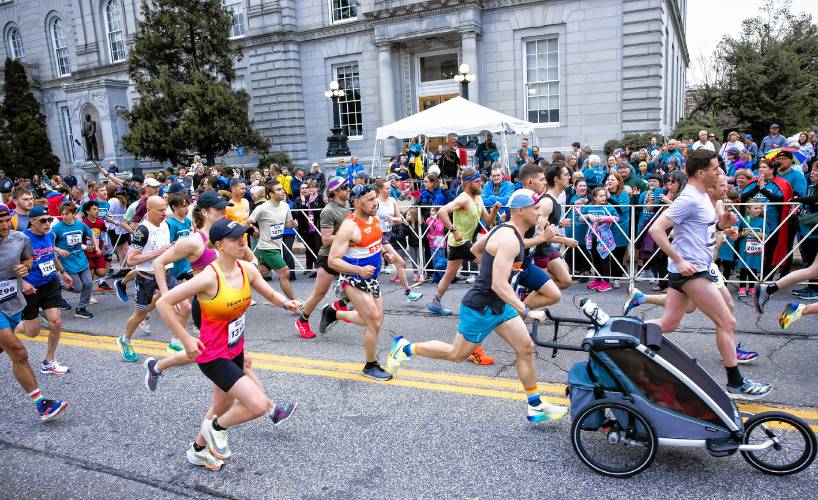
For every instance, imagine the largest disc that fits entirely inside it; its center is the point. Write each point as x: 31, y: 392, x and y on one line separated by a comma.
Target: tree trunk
x: 211, y: 158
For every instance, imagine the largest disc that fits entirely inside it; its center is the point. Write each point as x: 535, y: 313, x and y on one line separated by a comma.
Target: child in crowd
x: 726, y: 246
x: 750, y: 243
x: 650, y: 201
x: 578, y: 258
x: 436, y: 235
x: 599, y: 239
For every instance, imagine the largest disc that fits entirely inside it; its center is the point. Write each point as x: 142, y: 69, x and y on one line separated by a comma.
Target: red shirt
x: 99, y: 228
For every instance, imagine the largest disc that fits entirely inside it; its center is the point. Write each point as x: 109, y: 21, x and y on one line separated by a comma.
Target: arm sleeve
x: 139, y: 238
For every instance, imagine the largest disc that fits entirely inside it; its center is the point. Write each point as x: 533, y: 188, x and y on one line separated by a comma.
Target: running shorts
x: 676, y: 281
x: 460, y: 252
x: 48, y: 296
x: 548, y: 254
x: 475, y: 326
x: 224, y: 372
x: 271, y: 259
x: 322, y: 261
x: 10, y: 321
x: 145, y: 286
x: 532, y: 277
x: 96, y: 261
x: 371, y: 286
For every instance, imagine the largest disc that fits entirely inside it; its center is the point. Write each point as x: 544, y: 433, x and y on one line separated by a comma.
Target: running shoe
x: 377, y: 373
x: 603, y: 286
x: 65, y: 306
x: 546, y: 411
x: 93, y: 301
x: 760, y: 298
x: 479, y: 357
x: 397, y: 355
x: 341, y: 307
x: 743, y: 357
x: 594, y: 284
x: 436, y: 307
x: 145, y: 326
x: 151, y: 375
x: 282, y: 412
x: 82, y: 312
x: 634, y: 299
x: 53, y: 368
x: 806, y: 294
x: 203, y: 458
x: 49, y: 409
x: 471, y: 279
x: 413, y: 297
x: 128, y: 354
x: 749, y: 390
x: 742, y: 291
x: 304, y: 329
x: 327, y: 318
x: 121, y: 290
x: 175, y: 346
x: 104, y: 287
x: 216, y: 440
x: 791, y: 314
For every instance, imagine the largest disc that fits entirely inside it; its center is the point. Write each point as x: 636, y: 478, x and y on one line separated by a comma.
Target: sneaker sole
x: 748, y: 397
x: 545, y: 418
x: 746, y: 361
x: 376, y: 378
x: 52, y: 372
x: 204, y: 463
x: 148, y: 374
x: 46, y: 418
x: 281, y: 422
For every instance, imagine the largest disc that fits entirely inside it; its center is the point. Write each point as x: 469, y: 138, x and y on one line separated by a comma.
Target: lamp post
x: 464, y: 78
x: 337, y: 141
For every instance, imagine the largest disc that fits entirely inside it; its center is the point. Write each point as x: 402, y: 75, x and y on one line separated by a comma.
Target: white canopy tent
x: 455, y: 116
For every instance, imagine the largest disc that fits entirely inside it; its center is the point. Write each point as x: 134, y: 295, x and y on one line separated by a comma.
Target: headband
x: 472, y: 177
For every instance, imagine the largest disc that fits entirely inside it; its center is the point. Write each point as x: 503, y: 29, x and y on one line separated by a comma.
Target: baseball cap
x: 336, y: 182
x: 150, y: 181
x: 211, y: 199
x: 315, y: 164
x: 522, y: 198
x: 4, y: 210
x: 362, y: 175
x: 176, y: 188
x: 785, y: 154
x: 38, y: 211
x: 226, y: 228
x: 732, y: 151
x: 774, y: 125
x: 359, y: 191
x: 392, y: 177
x: 748, y: 136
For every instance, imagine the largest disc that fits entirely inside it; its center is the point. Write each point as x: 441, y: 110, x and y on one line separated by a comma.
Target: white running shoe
x: 216, y: 440
x: 145, y: 326
x: 93, y: 301
x: 203, y: 458
x: 546, y: 411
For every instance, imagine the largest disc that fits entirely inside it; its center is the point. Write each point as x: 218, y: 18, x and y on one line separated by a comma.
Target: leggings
x: 602, y: 265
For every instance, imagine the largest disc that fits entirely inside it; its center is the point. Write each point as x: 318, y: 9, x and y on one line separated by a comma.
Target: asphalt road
x: 438, y: 430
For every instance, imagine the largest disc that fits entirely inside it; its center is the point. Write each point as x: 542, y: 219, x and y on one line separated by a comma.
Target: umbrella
x: 797, y: 157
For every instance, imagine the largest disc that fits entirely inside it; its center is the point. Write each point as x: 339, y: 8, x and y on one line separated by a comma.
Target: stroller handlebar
x: 553, y: 344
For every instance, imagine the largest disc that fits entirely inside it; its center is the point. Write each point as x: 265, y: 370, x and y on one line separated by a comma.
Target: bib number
x: 753, y: 247
x: 277, y: 231
x: 386, y: 225
x: 8, y: 290
x: 73, y: 239
x: 235, y: 332
x: 47, y: 268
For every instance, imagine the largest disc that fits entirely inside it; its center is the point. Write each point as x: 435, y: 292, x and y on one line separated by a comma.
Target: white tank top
x: 386, y: 210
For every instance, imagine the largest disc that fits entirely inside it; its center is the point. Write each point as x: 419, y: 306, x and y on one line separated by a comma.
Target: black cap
x: 176, y: 188
x: 226, y: 228
x: 211, y: 199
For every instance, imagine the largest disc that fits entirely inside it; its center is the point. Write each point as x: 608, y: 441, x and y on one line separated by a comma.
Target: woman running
x: 223, y: 289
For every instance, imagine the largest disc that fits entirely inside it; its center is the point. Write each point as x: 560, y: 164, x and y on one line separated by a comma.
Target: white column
x: 468, y: 44
x: 386, y: 84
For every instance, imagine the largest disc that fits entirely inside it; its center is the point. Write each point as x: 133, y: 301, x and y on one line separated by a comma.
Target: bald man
x: 149, y: 241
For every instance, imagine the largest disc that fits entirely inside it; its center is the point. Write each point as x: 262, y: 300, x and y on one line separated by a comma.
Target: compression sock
x: 734, y: 377
x: 533, y: 395
x: 36, y: 396
x: 198, y: 447
x: 772, y: 288
x: 216, y: 425
x: 409, y: 350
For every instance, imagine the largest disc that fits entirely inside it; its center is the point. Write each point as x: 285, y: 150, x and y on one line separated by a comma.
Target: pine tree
x: 24, y: 146
x: 182, y: 66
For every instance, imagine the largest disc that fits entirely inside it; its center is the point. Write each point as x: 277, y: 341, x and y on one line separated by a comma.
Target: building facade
x: 582, y: 70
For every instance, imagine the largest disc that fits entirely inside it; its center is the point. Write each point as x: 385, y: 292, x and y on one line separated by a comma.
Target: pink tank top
x: 207, y: 257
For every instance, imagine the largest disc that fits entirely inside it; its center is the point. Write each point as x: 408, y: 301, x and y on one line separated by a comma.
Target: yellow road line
x: 502, y: 388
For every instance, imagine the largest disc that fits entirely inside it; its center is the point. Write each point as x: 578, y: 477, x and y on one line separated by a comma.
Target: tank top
x: 555, y: 217
x: 481, y: 296
x: 222, y: 324
x: 466, y: 221
x: 207, y: 257
x: 366, y: 252
x: 386, y: 210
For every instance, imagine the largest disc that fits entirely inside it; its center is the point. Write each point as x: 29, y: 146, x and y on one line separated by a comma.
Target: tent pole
x: 374, y: 156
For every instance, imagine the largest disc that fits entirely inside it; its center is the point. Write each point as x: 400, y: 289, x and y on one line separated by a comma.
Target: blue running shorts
x: 475, y: 326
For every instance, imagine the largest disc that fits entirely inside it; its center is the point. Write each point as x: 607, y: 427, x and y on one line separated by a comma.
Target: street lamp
x: 337, y: 141
x: 464, y: 78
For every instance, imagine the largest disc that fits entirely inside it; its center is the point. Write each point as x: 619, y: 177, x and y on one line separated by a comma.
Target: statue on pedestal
x: 89, y: 133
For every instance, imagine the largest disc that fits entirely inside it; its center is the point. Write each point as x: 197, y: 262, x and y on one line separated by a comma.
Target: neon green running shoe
x: 546, y: 411
x: 175, y: 347
x: 396, y: 355
x: 791, y: 314
x: 128, y: 354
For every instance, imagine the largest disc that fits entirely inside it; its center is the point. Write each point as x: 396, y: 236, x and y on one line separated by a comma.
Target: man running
x: 42, y: 288
x: 332, y: 216
x: 492, y: 305
x: 547, y: 255
x: 356, y: 253
x: 693, y: 218
x: 270, y: 218
x: 23, y: 202
x: 16, y: 259
x: 69, y: 235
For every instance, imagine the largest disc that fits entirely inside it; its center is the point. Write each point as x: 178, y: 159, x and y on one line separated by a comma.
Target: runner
x: 332, y: 216
x: 224, y: 293
x: 269, y: 219
x: 69, y: 234
x: 96, y: 257
x: 42, y: 288
x: 547, y: 255
x: 389, y: 214
x: 492, y: 305
x: 23, y: 202
x: 16, y: 259
x: 356, y: 254
x: 693, y: 218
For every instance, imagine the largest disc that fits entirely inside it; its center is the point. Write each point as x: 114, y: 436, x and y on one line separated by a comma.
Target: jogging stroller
x: 639, y: 390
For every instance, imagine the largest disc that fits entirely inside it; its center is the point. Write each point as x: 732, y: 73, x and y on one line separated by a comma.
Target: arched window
x: 116, y: 42
x: 61, y: 57
x: 14, y: 42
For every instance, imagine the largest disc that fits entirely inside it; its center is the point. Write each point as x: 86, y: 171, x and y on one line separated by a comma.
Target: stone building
x: 583, y: 70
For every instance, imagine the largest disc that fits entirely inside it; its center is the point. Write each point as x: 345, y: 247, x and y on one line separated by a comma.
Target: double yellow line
x: 503, y: 388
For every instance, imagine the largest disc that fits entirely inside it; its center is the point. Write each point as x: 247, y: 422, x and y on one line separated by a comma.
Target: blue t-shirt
x: 179, y: 229
x: 622, y: 231
x: 104, y: 206
x: 43, y: 269
x: 70, y: 238
x: 796, y: 179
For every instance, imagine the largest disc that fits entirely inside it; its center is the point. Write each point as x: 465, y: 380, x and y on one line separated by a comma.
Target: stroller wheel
x: 613, y: 439
x: 794, y: 445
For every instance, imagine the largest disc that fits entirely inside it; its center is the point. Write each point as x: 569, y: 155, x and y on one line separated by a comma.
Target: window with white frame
x: 542, y: 80
x: 114, y: 27
x: 343, y: 10
x: 236, y: 9
x: 14, y: 42
x: 61, y: 57
x: 68, y: 134
x: 350, y: 104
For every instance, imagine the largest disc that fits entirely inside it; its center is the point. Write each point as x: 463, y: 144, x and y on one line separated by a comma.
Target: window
x: 350, y: 103
x: 236, y: 8
x: 14, y: 42
x: 68, y: 134
x: 542, y: 81
x: 61, y: 57
x: 342, y: 10
x: 113, y: 18
x: 438, y: 67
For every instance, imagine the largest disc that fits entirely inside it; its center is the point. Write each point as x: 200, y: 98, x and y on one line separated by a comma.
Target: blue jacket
x: 434, y: 198
x: 595, y: 176
x: 665, y: 158
x: 502, y: 194
x: 767, y: 143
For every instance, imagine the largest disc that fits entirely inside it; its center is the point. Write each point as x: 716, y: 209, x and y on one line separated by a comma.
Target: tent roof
x: 455, y: 116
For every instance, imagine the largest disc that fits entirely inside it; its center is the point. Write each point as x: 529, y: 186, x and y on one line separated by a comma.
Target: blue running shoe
x: 121, y: 291
x: 436, y: 307
x: 282, y: 412
x: 49, y: 409
x: 634, y: 299
x: 743, y: 357
x: 806, y: 294
x: 749, y: 390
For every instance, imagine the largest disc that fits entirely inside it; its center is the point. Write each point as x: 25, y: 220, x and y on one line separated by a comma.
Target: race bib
x: 276, y: 231
x: 73, y: 239
x: 752, y: 247
x: 47, y: 267
x: 235, y: 332
x: 8, y: 290
x: 386, y: 225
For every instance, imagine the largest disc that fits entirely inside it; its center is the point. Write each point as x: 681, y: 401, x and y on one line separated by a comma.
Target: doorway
x: 431, y: 101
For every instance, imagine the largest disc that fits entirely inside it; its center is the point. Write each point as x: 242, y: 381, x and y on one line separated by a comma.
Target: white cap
x: 150, y: 181
x: 315, y: 164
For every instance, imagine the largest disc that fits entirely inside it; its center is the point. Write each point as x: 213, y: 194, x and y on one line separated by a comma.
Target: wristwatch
x: 525, y: 312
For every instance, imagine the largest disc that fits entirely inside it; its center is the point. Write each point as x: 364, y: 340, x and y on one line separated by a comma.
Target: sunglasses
x: 45, y: 220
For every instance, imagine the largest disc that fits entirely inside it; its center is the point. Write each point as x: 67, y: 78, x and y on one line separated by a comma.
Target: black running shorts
x: 48, y: 296
x: 224, y: 372
x: 676, y: 281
